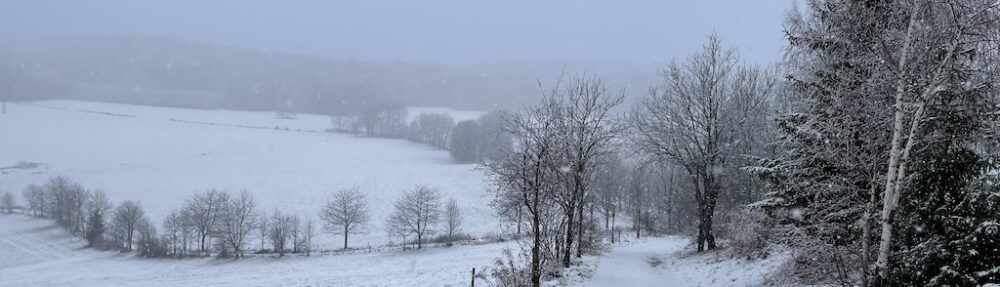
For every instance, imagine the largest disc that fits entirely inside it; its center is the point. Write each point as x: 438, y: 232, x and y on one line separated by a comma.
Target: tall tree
x: 7, y: 202
x: 345, y: 213
x: 419, y: 210
x: 203, y: 209
x: 936, y: 58
x: 125, y: 221
x: 452, y: 219
x: 693, y: 119
x: 524, y: 178
x: 237, y: 218
x: 884, y: 85
x: 586, y: 130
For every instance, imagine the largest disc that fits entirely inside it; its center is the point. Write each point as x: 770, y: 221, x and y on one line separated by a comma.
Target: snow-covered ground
x: 666, y: 262
x: 34, y: 252
x: 161, y: 156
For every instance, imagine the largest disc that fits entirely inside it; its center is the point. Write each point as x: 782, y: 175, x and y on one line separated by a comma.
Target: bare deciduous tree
x: 524, y: 177
x: 452, y: 219
x: 308, y: 232
x: 34, y: 197
x: 280, y: 231
x: 694, y: 118
x: 345, y: 213
x: 7, y: 202
x: 173, y: 227
x: 585, y: 133
x: 237, y: 218
x: 124, y: 222
x: 418, y: 211
x: 203, y: 210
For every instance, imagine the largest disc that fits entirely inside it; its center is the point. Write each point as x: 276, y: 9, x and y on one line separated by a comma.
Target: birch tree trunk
x: 889, y: 198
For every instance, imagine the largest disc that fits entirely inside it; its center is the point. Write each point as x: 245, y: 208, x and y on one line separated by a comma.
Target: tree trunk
x: 866, y: 233
x: 536, y: 251
x: 519, y: 220
x: 889, y: 197
x: 568, y: 248
x: 711, y: 196
x: 613, y: 225
x: 345, y: 238
x: 579, y: 230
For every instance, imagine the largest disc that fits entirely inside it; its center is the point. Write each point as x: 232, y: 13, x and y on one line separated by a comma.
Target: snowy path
x: 665, y: 262
x: 635, y: 265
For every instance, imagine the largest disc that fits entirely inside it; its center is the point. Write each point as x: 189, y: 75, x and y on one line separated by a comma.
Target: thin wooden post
x: 473, y: 276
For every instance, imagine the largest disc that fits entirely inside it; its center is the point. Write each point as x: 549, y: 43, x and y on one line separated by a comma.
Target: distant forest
x: 164, y: 71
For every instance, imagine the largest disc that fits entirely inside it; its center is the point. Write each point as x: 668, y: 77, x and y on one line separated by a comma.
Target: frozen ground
x: 36, y: 253
x: 665, y: 262
x: 161, y: 156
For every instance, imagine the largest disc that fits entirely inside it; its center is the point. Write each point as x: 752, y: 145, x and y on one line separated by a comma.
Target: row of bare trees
x: 225, y: 224
x: 89, y: 214
x: 419, y: 211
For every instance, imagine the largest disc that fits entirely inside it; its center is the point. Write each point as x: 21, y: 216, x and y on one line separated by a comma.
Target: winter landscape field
x: 517, y: 143
x: 170, y: 154
x: 173, y: 153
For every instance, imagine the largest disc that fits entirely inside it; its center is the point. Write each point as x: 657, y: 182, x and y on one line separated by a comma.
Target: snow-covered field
x: 161, y: 156
x: 34, y: 252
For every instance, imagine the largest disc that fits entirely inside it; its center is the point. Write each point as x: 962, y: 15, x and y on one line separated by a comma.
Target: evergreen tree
x: 95, y: 228
x: 856, y: 66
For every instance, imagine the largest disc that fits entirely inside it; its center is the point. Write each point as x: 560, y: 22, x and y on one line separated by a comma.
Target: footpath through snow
x: 665, y: 262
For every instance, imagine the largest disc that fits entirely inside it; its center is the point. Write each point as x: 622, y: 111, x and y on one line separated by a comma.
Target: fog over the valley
x: 502, y: 143
x: 309, y: 56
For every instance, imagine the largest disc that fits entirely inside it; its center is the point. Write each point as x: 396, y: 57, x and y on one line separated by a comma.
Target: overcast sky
x: 426, y: 31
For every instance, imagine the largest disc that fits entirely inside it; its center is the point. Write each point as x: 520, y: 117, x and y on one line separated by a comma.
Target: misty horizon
x: 425, y: 32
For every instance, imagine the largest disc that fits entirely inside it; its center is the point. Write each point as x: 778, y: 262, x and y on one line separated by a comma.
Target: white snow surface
x: 667, y: 262
x: 161, y: 156
x: 35, y: 252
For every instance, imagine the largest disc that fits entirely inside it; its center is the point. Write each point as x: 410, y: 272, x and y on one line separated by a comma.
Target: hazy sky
x: 445, y: 31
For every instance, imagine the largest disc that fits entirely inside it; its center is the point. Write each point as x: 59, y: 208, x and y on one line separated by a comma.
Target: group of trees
x: 708, y: 113
x: 468, y: 141
x: 417, y: 213
x: 562, y: 143
x: 890, y: 142
x: 210, y: 223
x: 386, y: 119
x: 90, y: 214
x: 576, y: 159
x: 876, y: 155
x: 225, y: 224
x: 7, y: 202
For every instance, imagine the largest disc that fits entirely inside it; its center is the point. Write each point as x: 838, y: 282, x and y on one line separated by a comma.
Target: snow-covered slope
x: 33, y: 252
x: 161, y: 156
x: 26, y: 241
